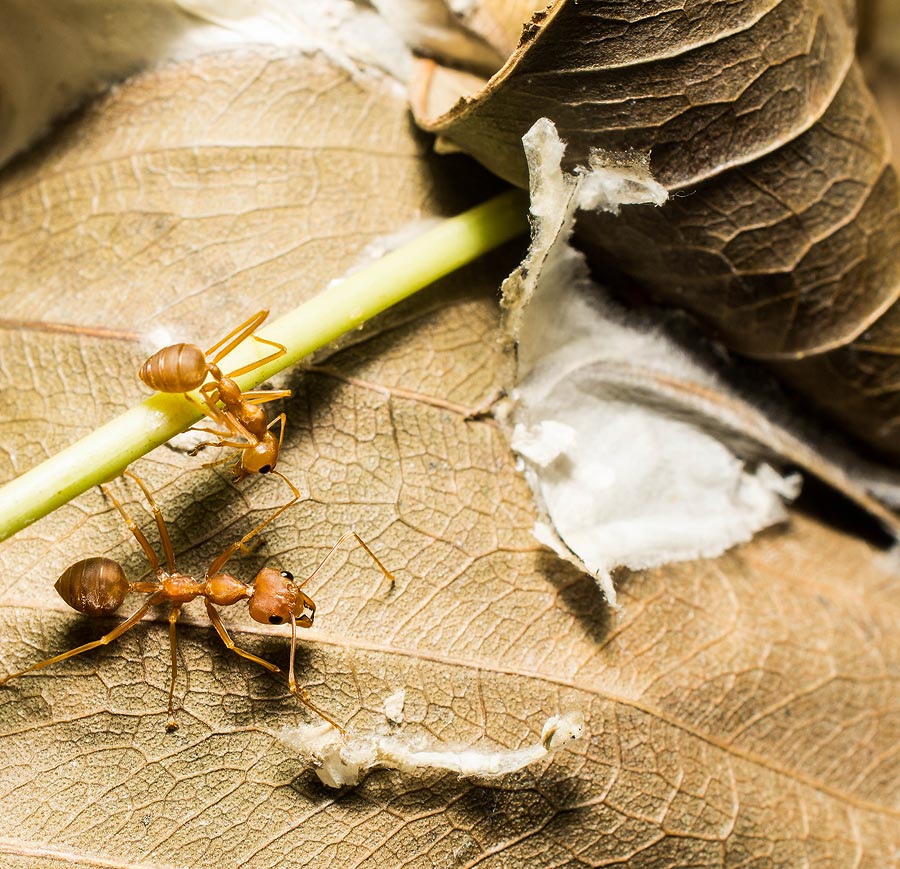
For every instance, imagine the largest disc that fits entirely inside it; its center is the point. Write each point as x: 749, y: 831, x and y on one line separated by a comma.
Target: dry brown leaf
x: 740, y: 712
x: 782, y: 230
x: 879, y: 33
x: 880, y: 55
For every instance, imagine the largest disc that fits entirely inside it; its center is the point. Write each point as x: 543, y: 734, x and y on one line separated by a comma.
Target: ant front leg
x: 281, y: 418
x: 220, y: 443
x: 299, y: 692
x: 220, y: 416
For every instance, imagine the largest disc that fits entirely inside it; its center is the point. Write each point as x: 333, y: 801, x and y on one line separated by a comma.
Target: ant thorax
x: 253, y: 418
x: 229, y: 392
x: 225, y: 590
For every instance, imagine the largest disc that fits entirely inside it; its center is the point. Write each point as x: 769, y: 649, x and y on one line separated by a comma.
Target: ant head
x: 261, y: 457
x: 275, y: 597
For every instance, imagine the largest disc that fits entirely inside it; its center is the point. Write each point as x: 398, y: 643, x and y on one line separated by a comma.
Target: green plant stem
x: 344, y: 306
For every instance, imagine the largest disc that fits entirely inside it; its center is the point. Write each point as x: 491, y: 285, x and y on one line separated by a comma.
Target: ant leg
x: 220, y: 443
x: 223, y: 461
x: 160, y: 521
x: 222, y: 631
x: 242, y: 543
x: 236, y: 336
x: 253, y: 396
x: 172, y: 723
x: 235, y: 429
x: 343, y: 539
x: 132, y: 526
x: 299, y: 692
x: 219, y: 563
x: 281, y: 418
x: 212, y: 431
x: 208, y: 407
x: 263, y: 396
x: 115, y: 633
x: 246, y: 369
x: 210, y: 393
x: 203, y: 407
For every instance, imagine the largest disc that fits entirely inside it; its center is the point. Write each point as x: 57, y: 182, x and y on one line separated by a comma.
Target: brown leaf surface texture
x: 739, y: 712
x: 782, y: 233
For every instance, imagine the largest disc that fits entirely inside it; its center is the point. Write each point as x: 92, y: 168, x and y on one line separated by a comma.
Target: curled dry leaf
x: 782, y: 232
x: 741, y: 710
x: 640, y: 452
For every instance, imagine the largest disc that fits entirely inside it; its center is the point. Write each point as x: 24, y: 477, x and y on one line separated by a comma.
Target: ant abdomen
x: 94, y: 586
x: 177, y: 368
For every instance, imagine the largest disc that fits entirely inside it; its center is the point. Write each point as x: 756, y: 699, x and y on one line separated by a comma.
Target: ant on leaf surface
x: 98, y: 587
x: 185, y: 367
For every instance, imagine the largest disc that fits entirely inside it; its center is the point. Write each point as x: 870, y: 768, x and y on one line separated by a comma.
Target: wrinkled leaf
x: 640, y: 451
x: 740, y: 710
x: 782, y: 230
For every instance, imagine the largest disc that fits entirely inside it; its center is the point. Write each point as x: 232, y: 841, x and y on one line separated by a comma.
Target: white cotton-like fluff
x: 623, y: 479
x: 543, y: 442
x: 393, y: 706
x: 341, y: 760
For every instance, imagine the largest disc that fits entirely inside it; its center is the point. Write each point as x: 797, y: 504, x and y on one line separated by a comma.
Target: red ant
x: 184, y: 367
x: 98, y: 586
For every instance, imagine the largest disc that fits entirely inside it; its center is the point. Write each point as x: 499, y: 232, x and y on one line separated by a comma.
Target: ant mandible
x: 98, y: 586
x: 184, y: 367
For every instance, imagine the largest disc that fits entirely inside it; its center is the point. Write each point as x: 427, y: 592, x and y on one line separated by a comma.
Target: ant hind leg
x: 160, y: 521
x: 252, y: 366
x: 114, y: 634
x: 132, y: 526
x: 236, y: 336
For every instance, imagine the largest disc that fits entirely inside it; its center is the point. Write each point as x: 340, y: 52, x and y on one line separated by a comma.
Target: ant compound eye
x: 275, y: 620
x: 287, y: 574
x: 265, y: 469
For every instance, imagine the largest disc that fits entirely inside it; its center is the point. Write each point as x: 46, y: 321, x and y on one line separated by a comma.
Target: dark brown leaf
x: 782, y: 233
